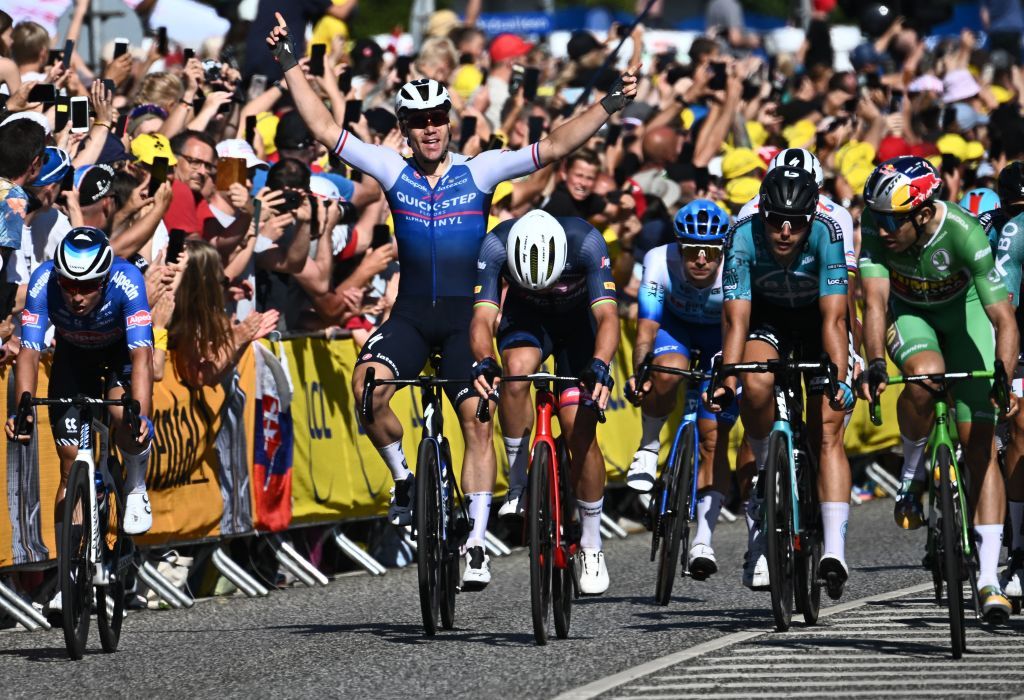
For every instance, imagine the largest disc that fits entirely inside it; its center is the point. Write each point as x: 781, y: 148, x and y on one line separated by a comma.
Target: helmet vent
x: 551, y: 258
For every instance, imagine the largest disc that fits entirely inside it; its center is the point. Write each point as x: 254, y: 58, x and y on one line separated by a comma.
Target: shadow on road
x: 413, y: 634
x: 733, y: 620
x: 45, y: 655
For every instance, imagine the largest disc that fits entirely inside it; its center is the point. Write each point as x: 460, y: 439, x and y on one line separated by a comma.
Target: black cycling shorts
x: 567, y: 336
x: 91, y: 372
x: 415, y: 329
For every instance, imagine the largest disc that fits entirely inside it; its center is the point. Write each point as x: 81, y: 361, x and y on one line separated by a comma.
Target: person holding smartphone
x: 434, y: 193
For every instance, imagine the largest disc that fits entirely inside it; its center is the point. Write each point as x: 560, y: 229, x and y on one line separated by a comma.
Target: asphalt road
x: 362, y: 636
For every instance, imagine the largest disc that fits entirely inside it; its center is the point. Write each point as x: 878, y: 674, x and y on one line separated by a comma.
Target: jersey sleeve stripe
x: 486, y: 302
x: 535, y: 152
x: 603, y: 300
x: 341, y: 142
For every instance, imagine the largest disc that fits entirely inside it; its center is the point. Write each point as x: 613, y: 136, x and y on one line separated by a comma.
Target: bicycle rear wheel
x: 778, y: 507
x: 108, y: 620
x: 539, y: 535
x: 428, y: 535
x: 449, y: 549
x: 808, y: 589
x: 675, y: 520
x: 73, y: 567
x: 563, y: 585
x: 952, y: 551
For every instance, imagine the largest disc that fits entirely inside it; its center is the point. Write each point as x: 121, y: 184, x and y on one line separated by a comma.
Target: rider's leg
x: 713, y: 477
x: 515, y: 412
x: 479, y: 469
x: 987, y: 497
x: 655, y: 409
x: 385, y: 432
x: 825, y: 427
x: 915, y: 415
x: 138, y: 515
x: 757, y: 408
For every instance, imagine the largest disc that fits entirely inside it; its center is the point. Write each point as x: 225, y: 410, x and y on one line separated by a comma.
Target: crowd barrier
x: 278, y: 445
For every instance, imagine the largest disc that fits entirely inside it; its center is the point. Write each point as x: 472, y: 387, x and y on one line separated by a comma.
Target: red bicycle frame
x: 546, y: 406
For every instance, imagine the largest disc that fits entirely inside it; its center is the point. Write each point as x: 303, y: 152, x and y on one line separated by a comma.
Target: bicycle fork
x: 545, y: 412
x: 99, y: 576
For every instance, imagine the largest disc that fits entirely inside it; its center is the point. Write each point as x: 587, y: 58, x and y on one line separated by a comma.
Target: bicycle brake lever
x: 22, y: 425
x: 483, y: 410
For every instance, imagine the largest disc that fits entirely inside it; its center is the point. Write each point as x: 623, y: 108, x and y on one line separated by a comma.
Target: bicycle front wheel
x: 778, y: 508
x: 429, y: 557
x: 675, y: 520
x: 563, y: 586
x: 807, y: 587
x: 73, y: 567
x: 952, y: 550
x: 114, y: 546
x: 450, y: 553
x: 539, y: 534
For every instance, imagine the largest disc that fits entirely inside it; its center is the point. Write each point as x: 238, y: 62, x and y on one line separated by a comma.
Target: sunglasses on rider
x: 890, y: 222
x: 796, y: 222
x: 692, y: 251
x: 433, y: 117
x: 83, y: 287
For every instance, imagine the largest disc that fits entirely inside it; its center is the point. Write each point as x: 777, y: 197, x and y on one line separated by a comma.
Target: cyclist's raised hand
x: 486, y: 376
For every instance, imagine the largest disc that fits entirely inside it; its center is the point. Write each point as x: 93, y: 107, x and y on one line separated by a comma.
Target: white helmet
x: 536, y: 250
x: 422, y: 94
x: 801, y: 159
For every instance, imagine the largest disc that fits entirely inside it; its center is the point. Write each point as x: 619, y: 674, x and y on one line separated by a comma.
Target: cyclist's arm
x: 607, y: 341
x: 876, y: 303
x: 26, y: 372
x: 138, y: 334
x: 481, y: 331
x: 1009, y: 256
x: 834, y: 337
x: 604, y: 305
x: 651, y: 303
x: 487, y: 292
x: 142, y: 378
x: 312, y: 110
x: 735, y: 326
x: 737, y: 298
x: 1004, y: 322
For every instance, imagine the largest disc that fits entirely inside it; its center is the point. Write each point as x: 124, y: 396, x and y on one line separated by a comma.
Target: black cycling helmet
x: 1010, y: 185
x: 789, y: 192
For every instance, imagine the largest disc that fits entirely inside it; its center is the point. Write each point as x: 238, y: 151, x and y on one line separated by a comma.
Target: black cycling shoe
x: 833, y: 573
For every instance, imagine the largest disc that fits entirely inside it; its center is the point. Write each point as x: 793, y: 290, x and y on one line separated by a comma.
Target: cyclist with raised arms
x: 680, y: 303
x: 440, y: 202
x: 785, y: 285
x: 932, y: 299
x: 104, y: 347
x: 561, y: 303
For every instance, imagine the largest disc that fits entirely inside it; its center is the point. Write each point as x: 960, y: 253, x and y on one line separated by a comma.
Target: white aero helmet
x: 801, y: 159
x: 422, y: 94
x: 536, y: 250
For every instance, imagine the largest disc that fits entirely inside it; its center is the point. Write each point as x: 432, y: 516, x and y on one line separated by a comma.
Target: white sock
x: 650, y: 431
x: 518, y: 460
x: 1017, y: 525
x: 760, y: 449
x: 990, y: 545
x: 708, y: 507
x: 135, y: 466
x: 479, y: 512
x: 394, y: 457
x: 834, y: 518
x: 913, y: 458
x: 590, y: 520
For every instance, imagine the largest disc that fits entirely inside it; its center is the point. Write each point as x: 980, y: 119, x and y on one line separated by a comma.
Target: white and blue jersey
x: 438, y: 229
x: 121, y: 315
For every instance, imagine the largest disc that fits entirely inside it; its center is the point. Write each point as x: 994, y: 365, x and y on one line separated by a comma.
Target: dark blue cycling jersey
x: 123, y: 311
x: 438, y: 229
x: 587, y: 274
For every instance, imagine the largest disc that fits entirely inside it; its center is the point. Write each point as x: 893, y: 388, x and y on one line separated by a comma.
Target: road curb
x: 603, y: 685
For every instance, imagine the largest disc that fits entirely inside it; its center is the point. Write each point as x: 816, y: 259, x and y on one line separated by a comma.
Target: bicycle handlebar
x: 131, y: 417
x: 824, y: 366
x: 999, y: 393
x: 647, y: 367
x: 543, y: 380
x: 370, y: 382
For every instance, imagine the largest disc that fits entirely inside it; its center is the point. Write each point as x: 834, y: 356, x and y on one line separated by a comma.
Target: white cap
x: 31, y: 116
x: 240, y: 148
x: 323, y: 187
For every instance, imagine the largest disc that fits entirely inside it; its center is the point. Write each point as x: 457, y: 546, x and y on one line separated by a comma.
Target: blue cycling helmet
x: 56, y: 164
x: 980, y: 200
x: 701, y: 221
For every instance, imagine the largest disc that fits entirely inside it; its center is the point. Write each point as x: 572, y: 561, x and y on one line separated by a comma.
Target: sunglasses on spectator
x: 796, y: 223
x: 420, y: 120
x: 692, y: 251
x: 155, y: 110
x: 82, y: 287
x: 890, y: 222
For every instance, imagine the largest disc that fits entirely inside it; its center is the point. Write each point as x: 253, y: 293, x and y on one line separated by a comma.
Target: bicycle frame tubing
x: 940, y: 434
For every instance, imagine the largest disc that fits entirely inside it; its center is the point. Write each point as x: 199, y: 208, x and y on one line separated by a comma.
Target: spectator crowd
x: 204, y: 144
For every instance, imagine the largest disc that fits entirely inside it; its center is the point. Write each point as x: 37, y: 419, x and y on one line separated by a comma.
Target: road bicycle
x: 94, y: 556
x: 441, y: 524
x: 787, y: 490
x: 552, y: 528
x: 950, y: 552
x: 674, y: 498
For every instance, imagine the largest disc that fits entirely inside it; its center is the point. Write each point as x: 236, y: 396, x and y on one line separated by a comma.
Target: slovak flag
x: 274, y: 448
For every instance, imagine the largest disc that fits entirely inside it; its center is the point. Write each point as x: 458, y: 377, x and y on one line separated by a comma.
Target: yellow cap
x: 854, y: 153
x: 858, y: 175
x: 975, y: 150
x: 742, y: 190
x: 800, y: 134
x: 757, y: 134
x: 955, y: 145
x: 146, y: 147
x: 739, y: 162
x: 1001, y: 94
x: 266, y: 124
x: 466, y: 80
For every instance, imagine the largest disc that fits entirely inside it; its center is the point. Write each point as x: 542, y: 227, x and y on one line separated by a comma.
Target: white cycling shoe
x: 592, y: 570
x: 701, y: 562
x: 478, y: 570
x: 643, y: 471
x: 513, y: 505
x: 138, y: 515
x: 755, y: 564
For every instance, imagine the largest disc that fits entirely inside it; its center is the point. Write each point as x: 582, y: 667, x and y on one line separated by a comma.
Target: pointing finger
x: 280, y: 21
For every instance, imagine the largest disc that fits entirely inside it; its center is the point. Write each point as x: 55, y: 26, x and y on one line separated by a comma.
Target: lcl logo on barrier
x: 318, y: 429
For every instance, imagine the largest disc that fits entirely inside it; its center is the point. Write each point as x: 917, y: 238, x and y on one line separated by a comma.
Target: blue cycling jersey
x: 122, y: 313
x: 665, y: 288
x: 438, y: 229
x: 751, y: 270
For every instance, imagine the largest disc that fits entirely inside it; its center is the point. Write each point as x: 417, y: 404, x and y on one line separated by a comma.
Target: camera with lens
x: 211, y: 71
x: 349, y: 213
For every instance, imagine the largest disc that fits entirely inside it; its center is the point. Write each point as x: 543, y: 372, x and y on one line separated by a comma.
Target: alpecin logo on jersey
x: 121, y: 281
x: 139, y: 318
x: 29, y: 319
